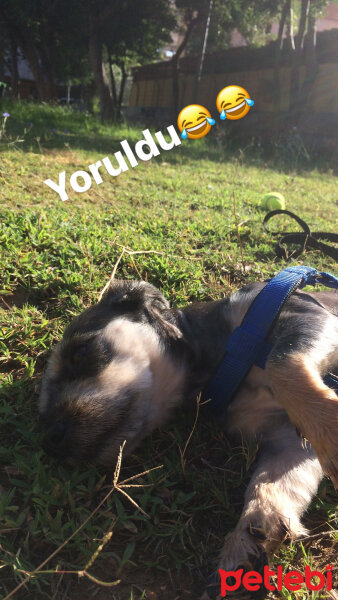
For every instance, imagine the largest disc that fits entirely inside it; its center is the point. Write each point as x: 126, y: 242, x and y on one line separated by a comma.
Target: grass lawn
x: 179, y: 212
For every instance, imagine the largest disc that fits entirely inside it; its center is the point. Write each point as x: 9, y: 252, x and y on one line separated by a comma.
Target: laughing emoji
x: 194, y: 121
x: 233, y: 102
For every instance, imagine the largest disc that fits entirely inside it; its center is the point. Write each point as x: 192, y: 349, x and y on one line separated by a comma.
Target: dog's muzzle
x: 57, y: 440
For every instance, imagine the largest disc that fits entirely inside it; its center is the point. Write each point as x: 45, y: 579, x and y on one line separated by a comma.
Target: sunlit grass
x: 55, y: 259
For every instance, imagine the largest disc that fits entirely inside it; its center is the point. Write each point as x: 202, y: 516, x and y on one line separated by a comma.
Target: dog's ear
x: 140, y: 296
x: 134, y: 293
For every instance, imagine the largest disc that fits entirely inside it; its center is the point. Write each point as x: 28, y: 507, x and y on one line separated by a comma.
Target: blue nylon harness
x: 248, y: 345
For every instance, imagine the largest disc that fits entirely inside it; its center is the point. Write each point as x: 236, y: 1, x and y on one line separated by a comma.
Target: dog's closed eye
x: 79, y: 354
x: 86, y: 357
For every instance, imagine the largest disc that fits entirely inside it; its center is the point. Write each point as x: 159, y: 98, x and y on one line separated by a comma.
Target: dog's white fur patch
x: 142, y: 364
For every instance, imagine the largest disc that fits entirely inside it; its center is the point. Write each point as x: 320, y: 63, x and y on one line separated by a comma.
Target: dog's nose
x: 57, y: 433
x: 56, y: 441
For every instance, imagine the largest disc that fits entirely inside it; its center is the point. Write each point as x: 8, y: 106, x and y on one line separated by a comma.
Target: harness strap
x: 331, y: 381
x: 248, y: 345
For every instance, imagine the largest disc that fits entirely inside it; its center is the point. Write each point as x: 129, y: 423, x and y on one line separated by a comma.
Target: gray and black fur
x: 127, y: 362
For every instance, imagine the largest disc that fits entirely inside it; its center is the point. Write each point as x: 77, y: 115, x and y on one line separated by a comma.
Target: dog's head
x: 113, y: 376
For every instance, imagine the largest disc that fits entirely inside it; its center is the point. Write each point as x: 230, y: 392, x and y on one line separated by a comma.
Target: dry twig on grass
x: 116, y: 486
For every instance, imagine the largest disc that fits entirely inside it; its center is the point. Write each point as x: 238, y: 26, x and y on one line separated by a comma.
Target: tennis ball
x: 273, y: 201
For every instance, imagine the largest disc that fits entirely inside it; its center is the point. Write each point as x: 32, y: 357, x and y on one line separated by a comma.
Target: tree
x: 124, y: 33
x: 302, y: 48
x: 297, y: 56
x: 60, y: 39
x: 304, y: 51
x: 192, y: 13
x: 276, y: 75
x: 50, y: 35
x: 248, y: 16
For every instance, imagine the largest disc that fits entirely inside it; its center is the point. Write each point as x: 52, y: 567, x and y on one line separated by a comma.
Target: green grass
x: 55, y: 259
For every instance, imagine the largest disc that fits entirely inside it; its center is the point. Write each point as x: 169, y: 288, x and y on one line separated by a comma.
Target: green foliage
x: 58, y: 38
x: 249, y: 18
x: 55, y: 259
x: 138, y: 31
x: 54, y: 34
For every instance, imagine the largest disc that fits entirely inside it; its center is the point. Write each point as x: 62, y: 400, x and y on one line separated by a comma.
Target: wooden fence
x: 152, y: 87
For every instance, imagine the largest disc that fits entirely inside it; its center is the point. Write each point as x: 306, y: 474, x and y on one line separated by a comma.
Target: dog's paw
x: 244, y: 546
x: 243, y: 551
x: 235, y: 590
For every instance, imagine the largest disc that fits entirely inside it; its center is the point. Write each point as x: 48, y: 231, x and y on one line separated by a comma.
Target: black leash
x: 305, y: 239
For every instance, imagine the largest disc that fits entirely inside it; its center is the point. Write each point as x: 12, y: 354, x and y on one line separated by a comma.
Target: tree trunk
x: 175, y: 63
x: 295, y: 103
x: 96, y: 60
x: 49, y: 84
x: 40, y: 56
x: 290, y: 38
x: 276, y: 73
x: 117, y: 97
x: 117, y: 114
x: 47, y: 52
x: 26, y: 44
x: 204, y: 47
x: 311, y: 64
x: 112, y: 79
x: 29, y: 51
x: 122, y: 86
x: 14, y: 69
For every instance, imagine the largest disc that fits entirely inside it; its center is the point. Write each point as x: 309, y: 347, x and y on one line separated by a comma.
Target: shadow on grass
x: 52, y: 300
x: 40, y: 128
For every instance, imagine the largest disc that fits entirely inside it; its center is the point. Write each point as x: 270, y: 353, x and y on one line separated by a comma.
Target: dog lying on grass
x: 124, y: 364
